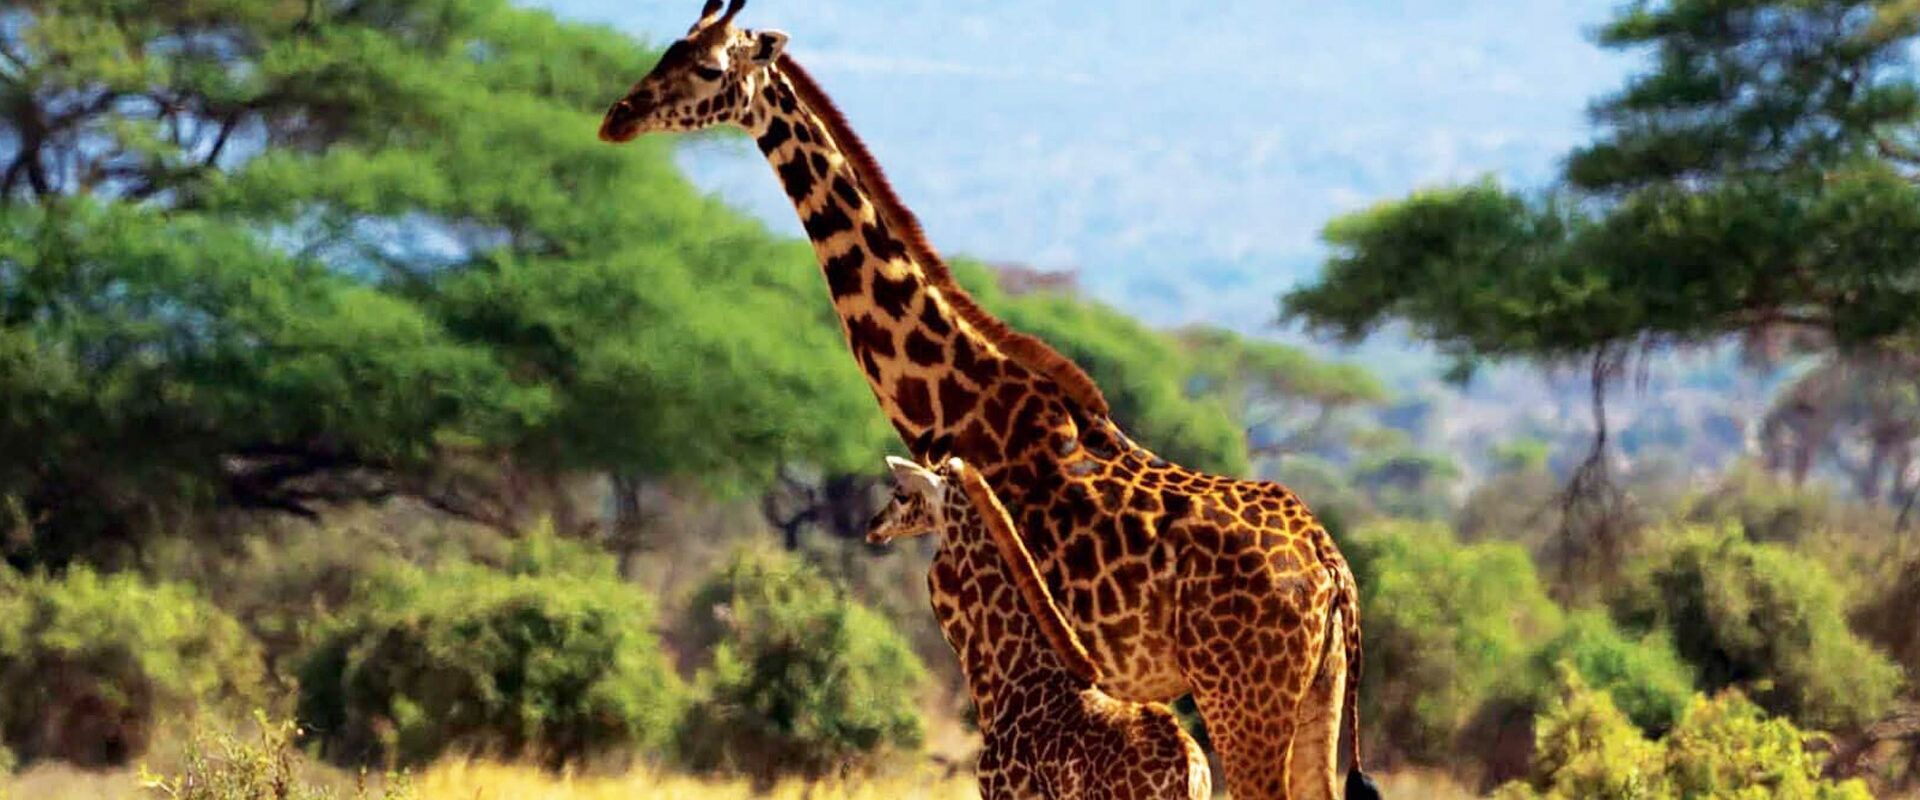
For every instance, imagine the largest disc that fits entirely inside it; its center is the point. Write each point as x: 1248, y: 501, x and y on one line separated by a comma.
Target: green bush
x: 89, y: 664
x: 1586, y: 749
x: 556, y: 666
x: 1724, y: 747
x: 1446, y: 624
x: 1762, y: 618
x: 802, y: 681
x: 299, y: 575
x: 1645, y: 677
x: 220, y: 766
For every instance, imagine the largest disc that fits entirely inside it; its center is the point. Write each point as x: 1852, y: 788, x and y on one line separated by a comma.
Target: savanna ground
x: 346, y: 379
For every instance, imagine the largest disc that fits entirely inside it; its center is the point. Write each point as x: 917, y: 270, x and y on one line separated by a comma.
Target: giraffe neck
x: 1014, y: 665
x: 929, y: 353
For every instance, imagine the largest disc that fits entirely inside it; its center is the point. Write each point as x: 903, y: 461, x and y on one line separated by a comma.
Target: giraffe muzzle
x: 622, y: 122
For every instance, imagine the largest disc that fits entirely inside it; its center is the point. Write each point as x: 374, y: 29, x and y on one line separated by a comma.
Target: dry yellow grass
x: 475, y: 780
x: 479, y: 780
x: 467, y: 780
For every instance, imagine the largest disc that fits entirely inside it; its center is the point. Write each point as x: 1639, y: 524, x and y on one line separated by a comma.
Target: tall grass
x: 478, y: 780
x: 472, y: 780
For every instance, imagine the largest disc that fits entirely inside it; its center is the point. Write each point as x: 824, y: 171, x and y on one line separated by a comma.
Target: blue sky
x: 1180, y: 157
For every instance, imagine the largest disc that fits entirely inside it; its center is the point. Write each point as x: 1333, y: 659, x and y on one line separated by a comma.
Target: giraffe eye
x: 708, y: 73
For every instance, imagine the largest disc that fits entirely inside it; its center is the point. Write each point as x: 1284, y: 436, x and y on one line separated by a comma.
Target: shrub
x: 1584, y: 747
x: 1729, y: 747
x: 1645, y: 677
x: 90, y: 663
x: 1761, y: 617
x: 219, y: 766
x: 804, y: 682
x: 558, y: 667
x: 1724, y: 747
x: 1445, y: 623
x: 299, y: 575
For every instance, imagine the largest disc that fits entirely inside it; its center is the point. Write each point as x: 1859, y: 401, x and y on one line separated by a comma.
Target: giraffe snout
x: 622, y: 122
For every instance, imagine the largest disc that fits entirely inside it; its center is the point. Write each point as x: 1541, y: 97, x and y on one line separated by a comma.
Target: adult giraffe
x: 1175, y: 580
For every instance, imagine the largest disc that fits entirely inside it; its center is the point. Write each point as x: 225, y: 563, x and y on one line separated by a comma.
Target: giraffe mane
x: 1019, y: 565
x: 1025, y: 349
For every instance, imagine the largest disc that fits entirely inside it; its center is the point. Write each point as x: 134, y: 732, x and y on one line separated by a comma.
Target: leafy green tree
x: 1748, y: 179
x: 1756, y: 181
x: 277, y: 254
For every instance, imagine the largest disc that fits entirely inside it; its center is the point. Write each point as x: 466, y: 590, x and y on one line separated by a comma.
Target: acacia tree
x: 275, y: 254
x: 1754, y: 183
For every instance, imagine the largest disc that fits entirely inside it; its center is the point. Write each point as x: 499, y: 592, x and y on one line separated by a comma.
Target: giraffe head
x: 705, y: 78
x: 919, y: 503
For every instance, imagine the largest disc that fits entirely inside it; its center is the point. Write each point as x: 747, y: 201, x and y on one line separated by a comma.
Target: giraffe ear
x: 767, y: 46
x: 913, y: 477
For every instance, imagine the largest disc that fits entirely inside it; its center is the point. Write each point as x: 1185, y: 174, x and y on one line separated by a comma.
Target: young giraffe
x: 1049, y: 733
x: 1177, y: 581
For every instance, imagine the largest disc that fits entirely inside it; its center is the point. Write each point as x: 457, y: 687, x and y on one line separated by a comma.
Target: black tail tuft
x: 1360, y: 787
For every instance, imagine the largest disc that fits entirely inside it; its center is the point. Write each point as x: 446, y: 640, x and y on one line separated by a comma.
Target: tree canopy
x: 254, y: 248
x: 1754, y: 177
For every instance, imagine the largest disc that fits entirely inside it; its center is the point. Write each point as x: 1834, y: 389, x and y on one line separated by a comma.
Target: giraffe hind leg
x: 1315, y: 767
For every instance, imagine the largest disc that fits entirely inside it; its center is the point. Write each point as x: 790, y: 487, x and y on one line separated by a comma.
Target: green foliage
x: 415, y: 254
x: 1748, y: 87
x: 1584, y: 747
x: 1762, y: 618
x: 90, y: 665
x: 555, y: 665
x: 1728, y: 747
x: 1724, y: 747
x: 221, y: 766
x: 804, y: 681
x: 1644, y: 678
x: 1445, y: 624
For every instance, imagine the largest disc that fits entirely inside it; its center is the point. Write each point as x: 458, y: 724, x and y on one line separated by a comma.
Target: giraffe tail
x: 1359, y: 785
